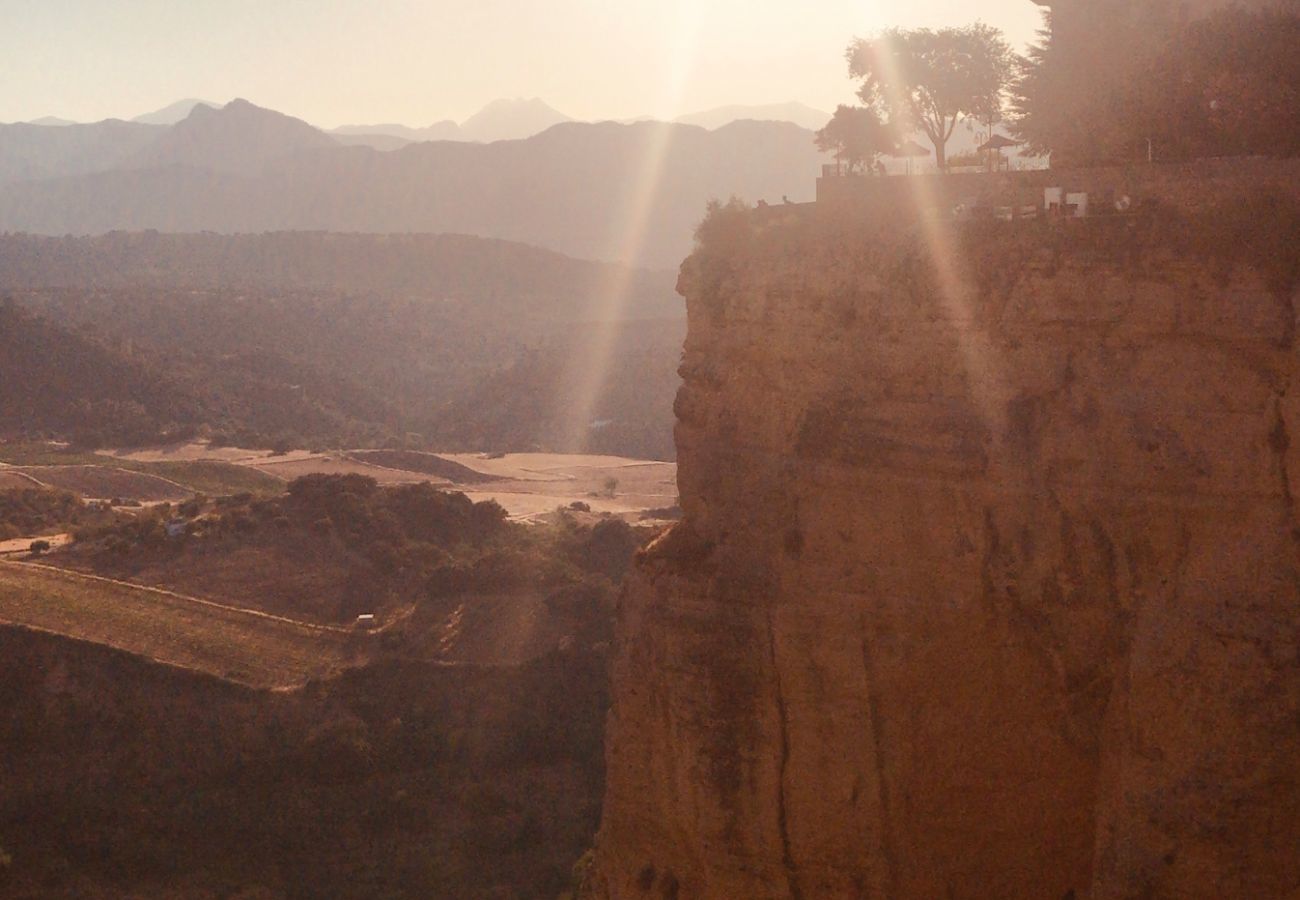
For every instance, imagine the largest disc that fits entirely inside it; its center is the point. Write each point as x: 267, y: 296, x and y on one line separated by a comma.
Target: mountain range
x: 577, y: 188
x: 501, y: 120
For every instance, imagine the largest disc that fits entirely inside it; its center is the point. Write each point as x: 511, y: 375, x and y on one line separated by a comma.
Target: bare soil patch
x: 24, y: 544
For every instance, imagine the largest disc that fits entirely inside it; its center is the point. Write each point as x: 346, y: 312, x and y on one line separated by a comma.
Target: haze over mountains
x: 628, y: 192
x: 500, y: 120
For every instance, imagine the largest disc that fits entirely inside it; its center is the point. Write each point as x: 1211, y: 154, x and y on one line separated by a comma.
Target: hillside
x: 61, y: 382
x: 127, y: 779
x: 632, y: 193
x: 56, y: 380
x: 346, y: 340
x: 177, y: 630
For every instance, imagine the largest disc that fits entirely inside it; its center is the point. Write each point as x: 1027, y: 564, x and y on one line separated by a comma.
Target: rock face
x: 988, y: 580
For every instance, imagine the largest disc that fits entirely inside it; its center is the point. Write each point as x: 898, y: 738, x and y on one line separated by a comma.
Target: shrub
x: 39, y: 547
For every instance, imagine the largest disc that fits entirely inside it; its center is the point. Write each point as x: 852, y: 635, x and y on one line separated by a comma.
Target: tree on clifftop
x: 930, y: 79
x: 856, y: 136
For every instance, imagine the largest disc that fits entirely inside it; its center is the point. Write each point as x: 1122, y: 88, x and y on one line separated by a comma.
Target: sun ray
x: 988, y: 384
x: 595, y: 354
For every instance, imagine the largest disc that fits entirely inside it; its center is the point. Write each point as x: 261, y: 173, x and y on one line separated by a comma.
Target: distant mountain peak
x: 509, y: 119
x: 799, y: 113
x: 174, y: 112
x: 239, y: 137
x: 52, y: 122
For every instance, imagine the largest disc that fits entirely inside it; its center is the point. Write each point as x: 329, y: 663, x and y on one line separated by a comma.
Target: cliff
x: 987, y: 582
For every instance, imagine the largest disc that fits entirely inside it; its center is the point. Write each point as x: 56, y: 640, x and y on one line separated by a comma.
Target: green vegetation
x: 1139, y: 81
x: 856, y: 136
x: 931, y: 79
x: 33, y: 511
x: 399, y: 779
x: 337, y: 546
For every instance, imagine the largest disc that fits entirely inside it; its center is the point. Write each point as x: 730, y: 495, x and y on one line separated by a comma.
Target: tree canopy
x: 1140, y: 80
x: 929, y: 79
x: 856, y: 136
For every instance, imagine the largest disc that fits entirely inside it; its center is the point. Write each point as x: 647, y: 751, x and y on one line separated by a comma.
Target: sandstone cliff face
x: 988, y: 579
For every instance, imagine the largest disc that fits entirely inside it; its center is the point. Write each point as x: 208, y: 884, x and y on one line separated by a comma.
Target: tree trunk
x: 940, y: 154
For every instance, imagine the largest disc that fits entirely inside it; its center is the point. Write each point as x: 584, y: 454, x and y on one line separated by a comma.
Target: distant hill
x: 54, y: 380
x: 800, y: 114
x: 345, y: 340
x: 31, y: 152
x: 53, y: 121
x: 174, y: 112
x: 580, y: 189
x: 238, y: 138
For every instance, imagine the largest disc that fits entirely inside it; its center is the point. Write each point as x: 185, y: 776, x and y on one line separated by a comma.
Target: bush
x: 39, y: 547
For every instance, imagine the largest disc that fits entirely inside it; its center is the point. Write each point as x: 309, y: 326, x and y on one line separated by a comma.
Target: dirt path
x: 246, y: 646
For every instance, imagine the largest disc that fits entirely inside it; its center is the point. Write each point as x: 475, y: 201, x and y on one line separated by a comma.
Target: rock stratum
x: 988, y: 580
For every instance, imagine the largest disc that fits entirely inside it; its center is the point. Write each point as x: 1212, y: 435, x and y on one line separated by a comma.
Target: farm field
x: 199, y: 451
x: 237, y: 645
x: 106, y: 482
x: 12, y: 479
x: 426, y: 463
x: 527, y: 485
x: 214, y: 476
x: 337, y: 465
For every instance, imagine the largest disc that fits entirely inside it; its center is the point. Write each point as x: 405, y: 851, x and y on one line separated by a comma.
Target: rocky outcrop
x: 988, y: 580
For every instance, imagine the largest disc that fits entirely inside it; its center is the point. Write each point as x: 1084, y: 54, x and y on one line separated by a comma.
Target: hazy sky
x: 418, y: 61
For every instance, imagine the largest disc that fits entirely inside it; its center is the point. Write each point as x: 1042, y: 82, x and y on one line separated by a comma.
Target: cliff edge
x: 988, y: 583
